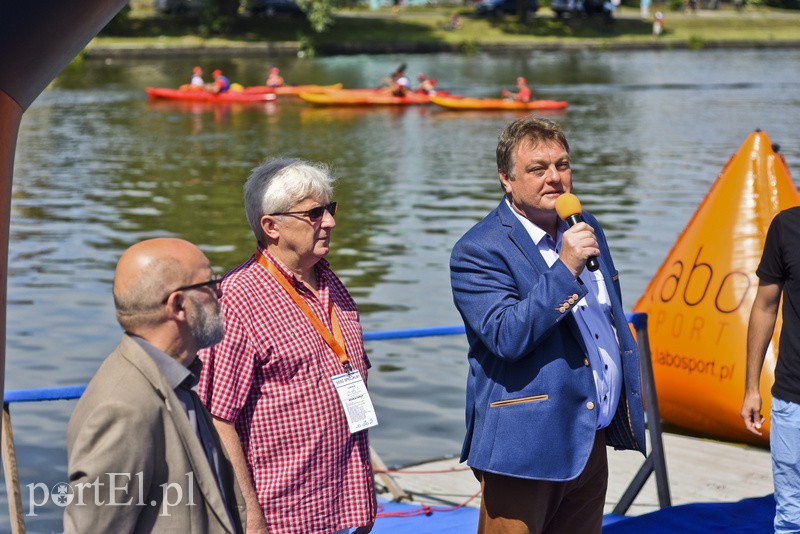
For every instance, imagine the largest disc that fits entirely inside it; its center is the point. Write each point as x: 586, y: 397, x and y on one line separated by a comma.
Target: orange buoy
x: 698, y: 303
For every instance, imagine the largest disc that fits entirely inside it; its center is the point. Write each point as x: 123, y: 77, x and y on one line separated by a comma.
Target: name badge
x: 355, y: 400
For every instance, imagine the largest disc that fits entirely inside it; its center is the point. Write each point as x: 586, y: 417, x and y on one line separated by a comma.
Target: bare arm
x: 230, y: 439
x: 759, y: 333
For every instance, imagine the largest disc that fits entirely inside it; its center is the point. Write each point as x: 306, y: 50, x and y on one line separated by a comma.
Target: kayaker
x: 221, y: 83
x: 397, y: 81
x: 197, y: 78
x: 426, y: 85
x: 274, y: 79
x: 523, y: 93
x: 401, y: 84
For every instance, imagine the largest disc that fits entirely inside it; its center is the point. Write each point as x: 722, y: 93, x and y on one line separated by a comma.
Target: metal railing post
x: 655, y: 461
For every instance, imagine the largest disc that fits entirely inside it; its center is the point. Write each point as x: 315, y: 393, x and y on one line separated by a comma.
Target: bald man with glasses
x: 143, y: 453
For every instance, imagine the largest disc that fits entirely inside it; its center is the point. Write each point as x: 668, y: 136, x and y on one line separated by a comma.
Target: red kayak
x: 201, y: 95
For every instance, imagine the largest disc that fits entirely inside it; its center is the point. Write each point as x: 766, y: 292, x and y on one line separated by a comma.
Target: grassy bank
x: 369, y: 28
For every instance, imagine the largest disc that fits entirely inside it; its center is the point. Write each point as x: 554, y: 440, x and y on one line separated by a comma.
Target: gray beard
x: 208, y: 329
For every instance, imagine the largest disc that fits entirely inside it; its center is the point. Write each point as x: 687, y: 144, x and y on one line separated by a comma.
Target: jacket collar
x: 519, y: 236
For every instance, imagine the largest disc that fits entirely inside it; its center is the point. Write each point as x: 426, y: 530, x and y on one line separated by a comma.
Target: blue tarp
x: 461, y: 520
x: 749, y: 516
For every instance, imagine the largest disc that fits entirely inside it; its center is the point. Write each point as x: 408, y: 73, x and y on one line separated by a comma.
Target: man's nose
x: 328, y: 220
x: 551, y: 174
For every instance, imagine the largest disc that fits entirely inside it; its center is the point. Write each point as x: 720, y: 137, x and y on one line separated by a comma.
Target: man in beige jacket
x: 143, y: 453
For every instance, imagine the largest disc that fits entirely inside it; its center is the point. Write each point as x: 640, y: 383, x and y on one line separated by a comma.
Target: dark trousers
x: 513, y: 505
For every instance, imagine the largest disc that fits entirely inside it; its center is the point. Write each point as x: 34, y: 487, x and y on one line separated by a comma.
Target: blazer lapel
x: 203, y: 475
x: 520, y: 236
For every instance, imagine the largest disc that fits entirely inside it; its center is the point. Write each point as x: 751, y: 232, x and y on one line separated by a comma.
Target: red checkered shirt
x: 271, y: 376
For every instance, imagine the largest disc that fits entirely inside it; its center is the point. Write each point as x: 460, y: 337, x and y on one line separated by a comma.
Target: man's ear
x: 176, y: 304
x: 505, y: 181
x: 268, y: 227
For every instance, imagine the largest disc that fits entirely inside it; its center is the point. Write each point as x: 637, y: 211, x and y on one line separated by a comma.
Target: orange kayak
x: 201, y: 95
x: 293, y: 89
x: 454, y: 102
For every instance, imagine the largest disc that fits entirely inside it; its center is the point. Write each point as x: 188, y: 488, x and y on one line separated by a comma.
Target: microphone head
x: 567, y: 205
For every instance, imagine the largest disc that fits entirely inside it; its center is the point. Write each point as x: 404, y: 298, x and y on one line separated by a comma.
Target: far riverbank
x: 421, y: 31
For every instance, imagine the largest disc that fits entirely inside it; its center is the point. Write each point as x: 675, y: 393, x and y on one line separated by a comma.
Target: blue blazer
x: 531, y: 396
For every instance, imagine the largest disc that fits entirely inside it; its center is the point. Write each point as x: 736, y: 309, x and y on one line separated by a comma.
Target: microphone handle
x: 592, y: 264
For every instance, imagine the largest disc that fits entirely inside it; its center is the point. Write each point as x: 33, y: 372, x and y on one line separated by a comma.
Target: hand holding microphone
x: 568, y: 208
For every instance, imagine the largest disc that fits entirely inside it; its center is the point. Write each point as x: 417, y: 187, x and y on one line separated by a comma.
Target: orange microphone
x: 569, y: 209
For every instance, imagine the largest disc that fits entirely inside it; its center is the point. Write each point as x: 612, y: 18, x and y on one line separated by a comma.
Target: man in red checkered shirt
x: 269, y: 384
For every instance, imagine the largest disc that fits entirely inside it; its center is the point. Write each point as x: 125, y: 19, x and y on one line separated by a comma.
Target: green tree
x: 320, y: 12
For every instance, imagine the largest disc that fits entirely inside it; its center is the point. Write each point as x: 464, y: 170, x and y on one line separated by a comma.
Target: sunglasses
x: 314, y: 214
x: 214, y: 284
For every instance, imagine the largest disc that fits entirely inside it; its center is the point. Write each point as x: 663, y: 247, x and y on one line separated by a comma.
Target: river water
x: 98, y: 167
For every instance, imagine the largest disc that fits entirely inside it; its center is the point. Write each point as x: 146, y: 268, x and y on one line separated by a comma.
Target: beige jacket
x: 135, y: 463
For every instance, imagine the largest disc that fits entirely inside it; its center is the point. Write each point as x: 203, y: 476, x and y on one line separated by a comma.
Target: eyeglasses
x: 314, y: 214
x: 214, y: 284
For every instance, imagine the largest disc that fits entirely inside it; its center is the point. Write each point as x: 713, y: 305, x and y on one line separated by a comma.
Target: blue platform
x: 749, y: 516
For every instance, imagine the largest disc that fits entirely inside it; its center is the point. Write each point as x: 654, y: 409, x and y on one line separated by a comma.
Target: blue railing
x: 638, y: 320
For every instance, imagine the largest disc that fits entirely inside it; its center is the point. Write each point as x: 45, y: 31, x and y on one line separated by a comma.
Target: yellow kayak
x: 463, y: 103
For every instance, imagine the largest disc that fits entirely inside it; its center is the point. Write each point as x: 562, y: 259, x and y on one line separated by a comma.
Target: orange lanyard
x: 335, y: 339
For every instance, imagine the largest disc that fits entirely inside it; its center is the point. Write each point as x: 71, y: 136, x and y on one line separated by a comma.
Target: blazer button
x: 575, y: 296
x: 571, y: 300
x: 590, y: 405
x: 586, y: 362
x: 562, y: 308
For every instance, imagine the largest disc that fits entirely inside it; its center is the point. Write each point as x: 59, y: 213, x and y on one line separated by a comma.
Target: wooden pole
x: 398, y: 493
x: 15, y: 511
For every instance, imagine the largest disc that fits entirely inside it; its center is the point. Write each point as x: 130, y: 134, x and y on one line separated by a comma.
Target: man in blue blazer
x: 554, y: 369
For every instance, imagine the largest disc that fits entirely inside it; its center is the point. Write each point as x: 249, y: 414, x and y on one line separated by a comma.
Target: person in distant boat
x: 401, y: 85
x: 426, y: 85
x: 221, y: 83
x: 197, y: 78
x: 143, y: 454
x: 292, y: 345
x: 274, y: 79
x: 523, y: 93
x: 554, y: 372
x: 779, y: 275
x: 398, y: 82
